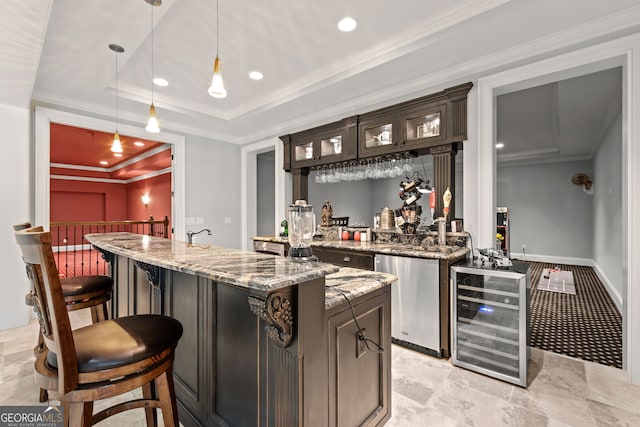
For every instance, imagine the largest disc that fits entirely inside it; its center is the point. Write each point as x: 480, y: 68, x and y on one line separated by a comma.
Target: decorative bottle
x: 326, y: 214
x: 284, y: 228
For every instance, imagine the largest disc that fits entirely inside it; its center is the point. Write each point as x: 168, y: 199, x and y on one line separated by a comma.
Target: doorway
x: 607, y: 55
x: 44, y: 117
x: 266, y: 193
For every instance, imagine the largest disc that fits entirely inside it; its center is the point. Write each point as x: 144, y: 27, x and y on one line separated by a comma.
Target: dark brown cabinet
x: 334, y: 142
x: 379, y: 133
x: 359, y: 373
x: 423, y: 126
x: 345, y: 258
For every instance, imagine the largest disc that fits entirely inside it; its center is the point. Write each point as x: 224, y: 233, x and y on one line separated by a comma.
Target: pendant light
x: 217, y: 89
x: 152, y: 124
x: 116, y: 147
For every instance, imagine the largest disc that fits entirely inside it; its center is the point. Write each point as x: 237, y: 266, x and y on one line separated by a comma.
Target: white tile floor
x: 425, y: 391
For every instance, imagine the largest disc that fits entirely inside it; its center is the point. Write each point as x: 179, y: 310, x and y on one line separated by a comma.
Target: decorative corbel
x: 153, y: 272
x: 106, y: 255
x: 277, y: 311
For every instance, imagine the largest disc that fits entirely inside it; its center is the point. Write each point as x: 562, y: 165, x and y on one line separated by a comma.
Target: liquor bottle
x: 284, y: 228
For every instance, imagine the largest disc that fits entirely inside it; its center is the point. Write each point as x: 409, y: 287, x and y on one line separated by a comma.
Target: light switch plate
x: 227, y: 220
x: 189, y: 220
x: 200, y: 220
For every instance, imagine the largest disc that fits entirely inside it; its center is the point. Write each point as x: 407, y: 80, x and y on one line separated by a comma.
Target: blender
x: 302, y: 226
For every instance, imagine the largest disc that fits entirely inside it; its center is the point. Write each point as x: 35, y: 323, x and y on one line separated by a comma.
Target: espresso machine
x: 302, y: 226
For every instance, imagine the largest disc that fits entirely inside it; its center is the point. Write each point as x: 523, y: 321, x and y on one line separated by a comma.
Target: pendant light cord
x: 116, y: 91
x: 217, y: 28
x: 152, y: 71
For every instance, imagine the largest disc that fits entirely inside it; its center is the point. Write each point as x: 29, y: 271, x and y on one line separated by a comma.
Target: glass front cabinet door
x: 424, y: 127
x: 335, y: 142
x: 378, y: 135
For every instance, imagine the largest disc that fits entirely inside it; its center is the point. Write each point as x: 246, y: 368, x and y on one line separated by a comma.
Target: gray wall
x: 265, y: 198
x: 213, y: 190
x: 352, y: 199
x: 360, y: 200
x: 549, y: 214
x: 16, y: 196
x: 607, y: 198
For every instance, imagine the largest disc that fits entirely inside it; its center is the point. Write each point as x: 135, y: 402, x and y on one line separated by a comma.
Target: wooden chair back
x: 50, y: 306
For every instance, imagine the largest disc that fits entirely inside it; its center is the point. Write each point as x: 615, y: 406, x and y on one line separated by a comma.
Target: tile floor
x: 425, y: 391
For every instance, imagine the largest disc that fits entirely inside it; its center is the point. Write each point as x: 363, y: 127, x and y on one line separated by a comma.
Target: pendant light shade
x: 217, y: 89
x: 152, y: 124
x: 116, y: 147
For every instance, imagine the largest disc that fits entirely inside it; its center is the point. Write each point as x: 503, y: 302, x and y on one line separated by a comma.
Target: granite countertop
x: 244, y: 269
x: 388, y: 248
x: 352, y: 283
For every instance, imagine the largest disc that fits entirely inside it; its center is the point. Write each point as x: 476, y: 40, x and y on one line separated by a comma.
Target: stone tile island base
x: 267, y: 341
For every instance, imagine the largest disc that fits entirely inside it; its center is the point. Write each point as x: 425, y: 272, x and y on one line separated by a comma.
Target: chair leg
x: 167, y: 397
x: 77, y: 414
x: 148, y: 392
x: 44, y: 395
x: 95, y: 318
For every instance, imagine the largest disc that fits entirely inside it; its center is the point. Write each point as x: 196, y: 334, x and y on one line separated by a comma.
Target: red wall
x: 69, y: 201
x: 159, y: 190
x: 73, y: 201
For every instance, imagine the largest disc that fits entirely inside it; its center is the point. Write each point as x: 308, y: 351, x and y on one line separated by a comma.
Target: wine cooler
x: 490, y: 320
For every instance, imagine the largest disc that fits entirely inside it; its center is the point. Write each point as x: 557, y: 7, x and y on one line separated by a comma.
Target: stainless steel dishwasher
x: 415, y: 302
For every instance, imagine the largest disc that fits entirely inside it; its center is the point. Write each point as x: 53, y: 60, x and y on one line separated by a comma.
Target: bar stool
x: 102, y: 360
x: 80, y: 292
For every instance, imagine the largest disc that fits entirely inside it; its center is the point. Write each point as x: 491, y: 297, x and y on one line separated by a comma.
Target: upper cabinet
x: 334, y: 142
x: 379, y: 133
x: 417, y: 125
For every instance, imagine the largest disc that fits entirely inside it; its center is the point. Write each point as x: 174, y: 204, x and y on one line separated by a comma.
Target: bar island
x: 267, y: 341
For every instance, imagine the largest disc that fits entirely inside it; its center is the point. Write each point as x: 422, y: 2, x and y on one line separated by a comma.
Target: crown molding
x: 110, y: 180
x: 544, y: 47
x: 54, y: 101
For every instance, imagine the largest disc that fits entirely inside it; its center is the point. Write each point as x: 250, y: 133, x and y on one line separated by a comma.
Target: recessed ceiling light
x: 158, y: 81
x: 500, y: 145
x: 347, y: 24
x: 256, y: 75
x: 117, y: 154
x: 104, y: 162
x: 139, y: 144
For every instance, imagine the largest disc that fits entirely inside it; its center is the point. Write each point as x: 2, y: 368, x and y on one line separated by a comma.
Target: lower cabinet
x: 345, y: 258
x: 360, y: 369
x: 228, y: 371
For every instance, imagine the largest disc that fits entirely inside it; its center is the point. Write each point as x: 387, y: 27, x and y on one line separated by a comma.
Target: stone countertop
x: 244, y: 269
x: 352, y: 283
x: 388, y: 248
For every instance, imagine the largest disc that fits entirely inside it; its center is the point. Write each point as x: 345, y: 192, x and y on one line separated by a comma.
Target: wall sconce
x: 584, y: 180
x: 145, y: 200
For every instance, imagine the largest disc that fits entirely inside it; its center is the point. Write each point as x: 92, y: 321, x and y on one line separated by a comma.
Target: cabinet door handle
x: 346, y: 259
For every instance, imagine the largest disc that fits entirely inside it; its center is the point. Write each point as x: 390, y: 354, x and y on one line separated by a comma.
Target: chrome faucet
x: 190, y: 234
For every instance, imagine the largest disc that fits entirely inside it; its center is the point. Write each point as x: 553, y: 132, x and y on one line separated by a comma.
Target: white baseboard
x: 71, y: 248
x: 611, y: 290
x: 552, y: 259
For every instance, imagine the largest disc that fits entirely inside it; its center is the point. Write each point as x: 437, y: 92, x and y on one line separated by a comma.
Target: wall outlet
x: 199, y: 220
x: 227, y: 220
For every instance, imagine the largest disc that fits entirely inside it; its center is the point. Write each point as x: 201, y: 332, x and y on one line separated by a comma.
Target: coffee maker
x: 302, y: 226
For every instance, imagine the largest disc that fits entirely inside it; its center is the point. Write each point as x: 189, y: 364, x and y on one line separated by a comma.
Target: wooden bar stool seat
x: 80, y: 292
x: 85, y: 292
x: 102, y: 360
